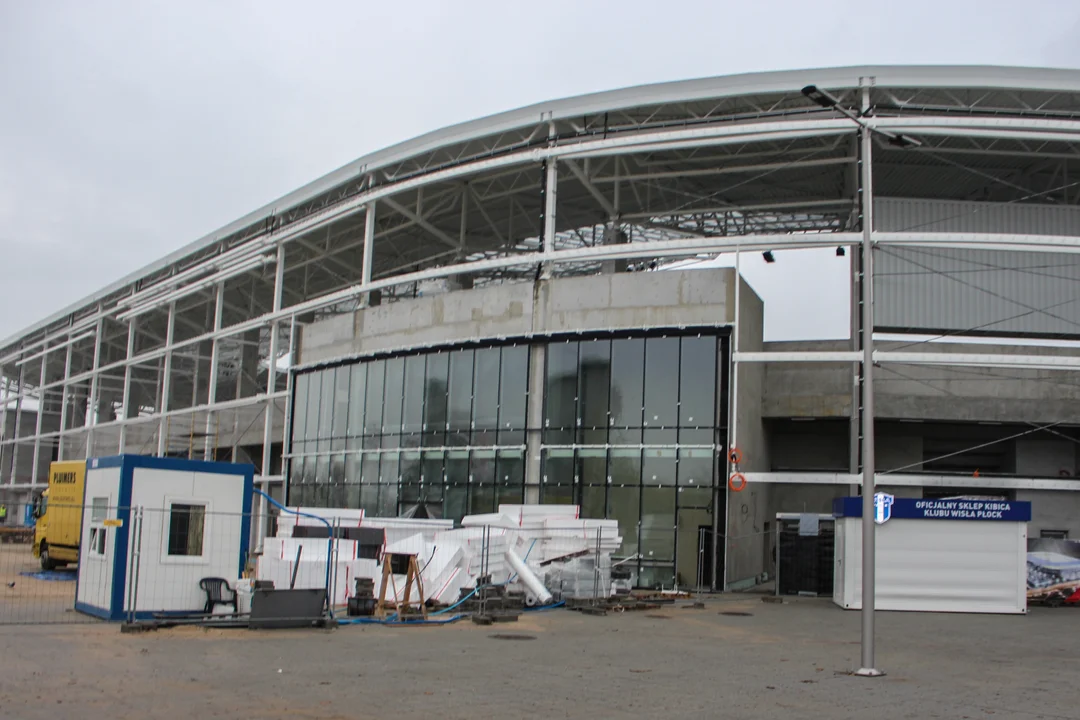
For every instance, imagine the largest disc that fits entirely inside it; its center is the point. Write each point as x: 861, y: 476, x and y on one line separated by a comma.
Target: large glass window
x: 413, y: 410
x: 630, y: 431
x: 436, y: 383
x: 661, y: 382
x: 638, y: 418
x: 560, y: 393
x: 311, y: 412
x: 486, y: 389
x: 326, y: 410
x: 357, y: 398
x: 627, y: 389
x: 594, y: 384
x: 513, y: 394
x: 697, y: 382
x: 459, y: 422
x: 300, y: 401
x: 373, y: 406
x: 393, y: 392
x: 341, y: 408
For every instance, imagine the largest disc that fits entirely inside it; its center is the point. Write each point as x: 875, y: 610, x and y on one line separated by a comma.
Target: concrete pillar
x: 464, y: 281
x: 613, y: 235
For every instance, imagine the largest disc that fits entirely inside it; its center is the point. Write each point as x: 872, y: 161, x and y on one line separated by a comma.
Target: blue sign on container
x: 919, y: 509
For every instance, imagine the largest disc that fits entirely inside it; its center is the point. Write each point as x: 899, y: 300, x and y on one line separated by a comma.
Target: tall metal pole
x: 868, y: 580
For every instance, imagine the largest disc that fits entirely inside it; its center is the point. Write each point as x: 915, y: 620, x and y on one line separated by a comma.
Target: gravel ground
x: 781, y: 660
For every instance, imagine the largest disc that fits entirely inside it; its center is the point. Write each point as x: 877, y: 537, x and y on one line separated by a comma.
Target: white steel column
x: 733, y: 400
x: 40, y: 414
x: 211, y: 396
x: 166, y: 374
x: 64, y: 404
x: 464, y: 226
x: 91, y: 402
x: 18, y: 425
x: 286, y: 446
x: 551, y: 181
x: 366, y: 262
x: 869, y: 467
x: 3, y: 421
x: 259, y: 507
x: 126, y: 397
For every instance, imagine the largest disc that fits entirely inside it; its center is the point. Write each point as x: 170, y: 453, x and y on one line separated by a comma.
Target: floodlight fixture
x: 821, y: 97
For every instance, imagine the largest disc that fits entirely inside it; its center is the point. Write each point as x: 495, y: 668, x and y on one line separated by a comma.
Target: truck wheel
x: 46, y: 561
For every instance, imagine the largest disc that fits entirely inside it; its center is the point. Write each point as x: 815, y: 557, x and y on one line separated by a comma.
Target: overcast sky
x: 129, y: 129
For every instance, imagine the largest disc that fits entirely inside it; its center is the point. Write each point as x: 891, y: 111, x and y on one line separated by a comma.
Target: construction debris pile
x: 542, y: 553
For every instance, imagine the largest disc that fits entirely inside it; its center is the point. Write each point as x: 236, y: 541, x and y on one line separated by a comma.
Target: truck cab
x: 58, y: 515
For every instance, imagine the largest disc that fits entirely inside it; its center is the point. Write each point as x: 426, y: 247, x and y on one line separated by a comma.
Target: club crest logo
x: 883, y: 503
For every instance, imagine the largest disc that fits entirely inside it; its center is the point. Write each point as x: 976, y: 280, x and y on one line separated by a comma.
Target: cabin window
x: 186, y: 528
x: 99, y: 511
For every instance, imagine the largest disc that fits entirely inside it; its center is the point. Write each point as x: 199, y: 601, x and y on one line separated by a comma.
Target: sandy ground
x: 31, y: 600
x: 782, y: 660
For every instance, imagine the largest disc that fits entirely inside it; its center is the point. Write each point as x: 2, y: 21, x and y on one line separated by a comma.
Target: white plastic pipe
x: 528, y: 578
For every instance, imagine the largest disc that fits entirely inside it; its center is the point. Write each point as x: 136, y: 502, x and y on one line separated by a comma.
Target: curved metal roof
x: 1000, y: 89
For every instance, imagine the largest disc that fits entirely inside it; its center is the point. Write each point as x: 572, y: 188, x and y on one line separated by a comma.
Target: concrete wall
x: 924, y: 393
x: 596, y: 302
x: 1045, y: 458
x: 748, y: 510
x: 1052, y: 510
x: 807, y: 389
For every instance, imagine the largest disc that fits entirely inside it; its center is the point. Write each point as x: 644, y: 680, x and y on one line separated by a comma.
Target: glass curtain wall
x: 438, y: 434
x: 631, y: 432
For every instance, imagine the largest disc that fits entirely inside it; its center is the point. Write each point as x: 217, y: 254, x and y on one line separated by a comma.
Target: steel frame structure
x: 186, y: 356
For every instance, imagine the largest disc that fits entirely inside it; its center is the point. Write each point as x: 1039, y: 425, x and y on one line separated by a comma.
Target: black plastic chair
x: 218, y: 592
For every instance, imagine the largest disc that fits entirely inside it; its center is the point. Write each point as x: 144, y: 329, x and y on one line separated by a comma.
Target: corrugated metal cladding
x: 976, y: 291
x: 904, y: 215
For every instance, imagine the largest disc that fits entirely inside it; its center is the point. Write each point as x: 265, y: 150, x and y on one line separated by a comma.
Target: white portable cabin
x: 153, y: 527
x: 950, y: 555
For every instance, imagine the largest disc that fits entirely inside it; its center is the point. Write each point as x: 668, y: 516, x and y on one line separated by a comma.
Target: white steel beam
x: 419, y: 220
x: 271, y: 370
x: 51, y: 348
x: 914, y: 480
x: 211, y: 396
x: 92, y: 400
x: 840, y: 356
x: 125, y: 401
x: 3, y: 420
x: 590, y: 185
x: 18, y: 425
x: 165, y: 380
x: 987, y: 360
x: 551, y: 190
x: 40, y: 415
x: 982, y: 241
x: 724, y: 169
x: 64, y: 403
x: 368, y: 261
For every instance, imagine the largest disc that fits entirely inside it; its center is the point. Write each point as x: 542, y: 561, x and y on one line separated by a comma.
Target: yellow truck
x: 59, y: 515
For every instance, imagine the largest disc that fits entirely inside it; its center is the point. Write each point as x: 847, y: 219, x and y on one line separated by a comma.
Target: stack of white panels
x: 449, y: 559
